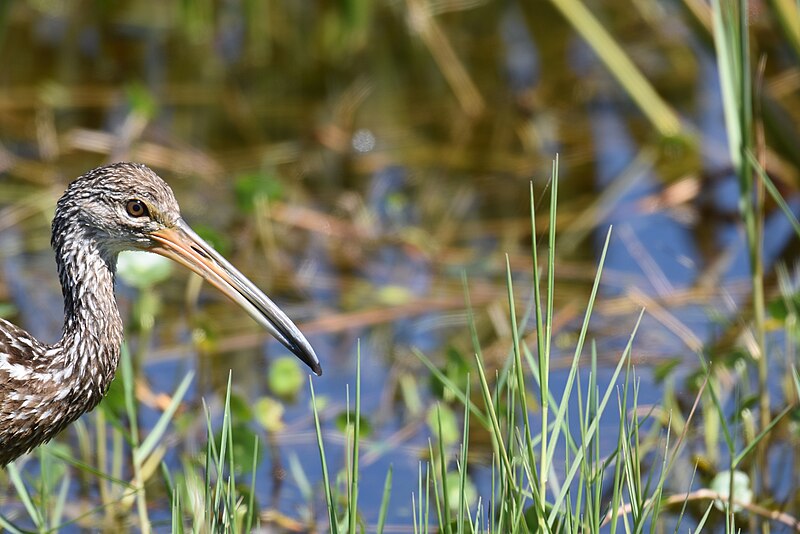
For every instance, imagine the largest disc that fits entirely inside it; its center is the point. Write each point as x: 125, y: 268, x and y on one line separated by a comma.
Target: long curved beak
x: 183, y: 246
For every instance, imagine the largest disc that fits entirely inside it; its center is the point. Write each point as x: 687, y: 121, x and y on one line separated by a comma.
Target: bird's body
x: 44, y: 388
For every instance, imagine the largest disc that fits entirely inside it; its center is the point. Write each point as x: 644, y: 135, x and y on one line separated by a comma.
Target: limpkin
x: 123, y: 206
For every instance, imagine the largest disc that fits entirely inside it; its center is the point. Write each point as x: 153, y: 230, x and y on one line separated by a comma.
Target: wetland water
x: 355, y: 171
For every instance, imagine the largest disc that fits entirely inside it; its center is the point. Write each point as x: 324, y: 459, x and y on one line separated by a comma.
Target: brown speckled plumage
x: 43, y: 388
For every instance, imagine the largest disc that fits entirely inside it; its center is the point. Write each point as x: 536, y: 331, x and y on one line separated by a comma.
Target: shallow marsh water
x: 354, y: 169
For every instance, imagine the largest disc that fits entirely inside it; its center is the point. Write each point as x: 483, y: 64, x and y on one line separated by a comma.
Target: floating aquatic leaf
x: 394, y: 295
x: 449, y: 425
x: 365, y: 426
x: 285, y: 377
x: 454, y: 491
x: 240, y: 408
x: 269, y: 413
x: 741, y: 488
x: 142, y: 269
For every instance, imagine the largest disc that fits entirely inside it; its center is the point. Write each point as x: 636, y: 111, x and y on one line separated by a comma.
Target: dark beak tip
x: 311, y: 361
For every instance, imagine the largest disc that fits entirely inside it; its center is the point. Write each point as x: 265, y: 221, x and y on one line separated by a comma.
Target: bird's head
x: 126, y: 206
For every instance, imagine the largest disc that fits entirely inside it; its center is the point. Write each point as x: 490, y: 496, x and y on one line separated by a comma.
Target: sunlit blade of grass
x: 731, y: 65
x: 300, y: 478
x: 128, y: 385
x: 575, y: 365
x: 731, y: 37
x: 414, y: 506
x: 218, y: 511
x: 462, y: 465
x: 352, y: 503
x: 654, y: 499
x: 499, y: 445
x: 443, y: 524
x: 537, y: 291
x: 544, y: 357
x: 7, y: 525
x: 251, y: 501
x: 384, y: 509
x: 703, y: 520
x: 520, y: 379
x: 418, y: 508
x: 177, y: 513
x: 156, y: 434
x: 657, y: 111
x: 61, y: 500
x: 42, y: 490
x: 796, y: 380
x: 443, y: 470
x: 24, y: 495
x: 230, y: 494
x: 591, y: 414
x: 774, y: 193
x: 348, y: 447
x: 427, y: 517
x: 210, y: 462
x: 334, y: 526
x: 169, y: 483
x: 718, y: 411
x: 475, y: 523
x: 213, y: 466
x: 86, y: 468
x: 787, y: 12
x: 473, y: 330
x: 752, y: 444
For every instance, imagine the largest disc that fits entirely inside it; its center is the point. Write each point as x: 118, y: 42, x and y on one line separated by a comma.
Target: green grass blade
x: 448, y: 521
x: 352, y: 503
x: 657, y: 111
x: 7, y: 525
x: 574, y: 366
x: 127, y: 377
x: 703, y: 520
x: 462, y: 466
x: 24, y: 495
x: 251, y: 502
x: 384, y: 509
x: 156, y: 435
x: 443, y: 524
x: 753, y: 443
x: 334, y: 525
x: 774, y: 193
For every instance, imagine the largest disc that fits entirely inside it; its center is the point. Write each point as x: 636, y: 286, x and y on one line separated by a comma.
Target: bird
x: 107, y: 210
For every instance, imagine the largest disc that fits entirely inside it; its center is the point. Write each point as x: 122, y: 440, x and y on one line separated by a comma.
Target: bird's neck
x: 90, y: 344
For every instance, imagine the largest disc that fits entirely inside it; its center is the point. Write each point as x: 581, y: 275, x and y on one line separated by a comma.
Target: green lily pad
x: 269, y: 413
x: 741, y: 488
x: 365, y: 427
x: 143, y: 269
x: 285, y: 377
x: 450, y: 433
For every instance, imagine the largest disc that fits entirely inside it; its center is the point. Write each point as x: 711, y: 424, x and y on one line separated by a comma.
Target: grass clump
x: 552, y: 468
x: 549, y: 472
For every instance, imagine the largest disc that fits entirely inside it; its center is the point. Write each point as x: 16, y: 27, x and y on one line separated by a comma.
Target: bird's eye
x: 137, y: 208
